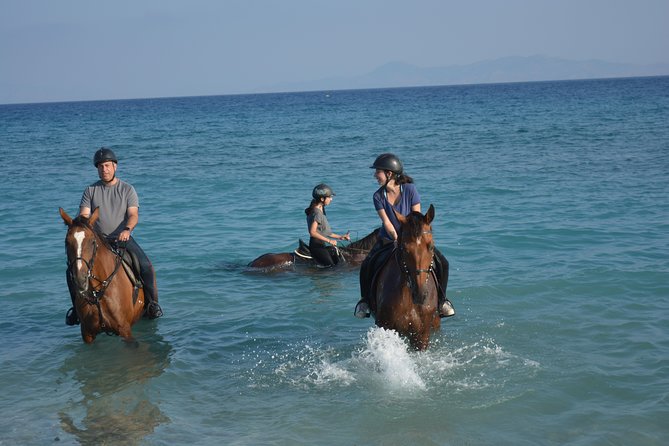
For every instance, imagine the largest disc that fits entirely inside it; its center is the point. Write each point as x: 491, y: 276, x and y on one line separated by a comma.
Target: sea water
x: 551, y: 206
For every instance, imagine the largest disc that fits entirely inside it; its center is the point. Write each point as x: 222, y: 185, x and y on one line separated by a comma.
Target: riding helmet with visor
x: 388, y: 161
x: 322, y: 191
x: 103, y: 155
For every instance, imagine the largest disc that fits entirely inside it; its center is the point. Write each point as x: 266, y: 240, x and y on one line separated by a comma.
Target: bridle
x: 93, y: 295
x: 411, y: 276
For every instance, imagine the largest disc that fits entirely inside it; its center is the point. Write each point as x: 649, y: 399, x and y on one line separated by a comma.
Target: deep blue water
x: 551, y: 206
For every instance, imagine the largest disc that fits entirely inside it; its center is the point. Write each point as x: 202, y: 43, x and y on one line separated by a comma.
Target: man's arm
x: 132, y: 220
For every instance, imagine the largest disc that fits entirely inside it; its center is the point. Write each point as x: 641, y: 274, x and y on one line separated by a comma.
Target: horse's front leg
x: 419, y: 341
x: 125, y: 332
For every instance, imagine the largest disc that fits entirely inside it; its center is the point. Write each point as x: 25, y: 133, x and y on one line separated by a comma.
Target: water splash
x: 387, y: 354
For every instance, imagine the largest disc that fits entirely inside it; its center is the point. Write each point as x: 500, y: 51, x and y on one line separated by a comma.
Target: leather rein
x: 400, y: 257
x: 94, y: 295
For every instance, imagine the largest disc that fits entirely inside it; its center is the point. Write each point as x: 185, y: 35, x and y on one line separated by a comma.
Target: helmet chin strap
x: 388, y: 178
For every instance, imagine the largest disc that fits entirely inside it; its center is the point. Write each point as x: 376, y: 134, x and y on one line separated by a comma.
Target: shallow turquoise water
x: 552, y: 208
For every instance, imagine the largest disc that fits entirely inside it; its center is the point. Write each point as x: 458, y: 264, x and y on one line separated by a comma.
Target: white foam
x: 387, y: 354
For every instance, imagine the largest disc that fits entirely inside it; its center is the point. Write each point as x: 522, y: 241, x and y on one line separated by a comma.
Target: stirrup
x: 361, y: 310
x: 71, y: 317
x: 153, y: 311
x: 446, y: 309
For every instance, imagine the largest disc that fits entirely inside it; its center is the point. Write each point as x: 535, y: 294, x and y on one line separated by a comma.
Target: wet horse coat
x: 406, y: 287
x: 352, y: 254
x: 105, y: 298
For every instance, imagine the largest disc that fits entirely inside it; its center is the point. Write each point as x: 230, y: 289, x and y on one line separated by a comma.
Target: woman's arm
x: 313, y: 232
x: 346, y: 236
x: 387, y: 224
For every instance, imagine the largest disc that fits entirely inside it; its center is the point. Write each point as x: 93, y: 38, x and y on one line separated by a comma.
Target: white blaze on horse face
x: 79, y: 237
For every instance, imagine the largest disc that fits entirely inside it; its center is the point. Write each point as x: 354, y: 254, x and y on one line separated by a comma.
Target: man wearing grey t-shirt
x: 118, y: 215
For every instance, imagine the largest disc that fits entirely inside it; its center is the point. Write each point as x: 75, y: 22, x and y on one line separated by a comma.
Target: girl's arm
x: 346, y: 236
x: 313, y: 232
x: 390, y: 229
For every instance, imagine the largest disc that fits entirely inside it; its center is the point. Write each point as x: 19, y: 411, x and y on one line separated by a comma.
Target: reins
x: 93, y: 296
x: 400, y: 258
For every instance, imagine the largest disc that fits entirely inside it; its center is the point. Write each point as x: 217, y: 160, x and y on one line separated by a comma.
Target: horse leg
x: 131, y: 342
x: 436, y: 324
x: 420, y: 341
x: 125, y: 332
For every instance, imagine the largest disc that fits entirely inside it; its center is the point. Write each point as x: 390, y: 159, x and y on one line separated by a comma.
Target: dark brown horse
x: 105, y: 299
x: 406, y: 286
x: 352, y: 254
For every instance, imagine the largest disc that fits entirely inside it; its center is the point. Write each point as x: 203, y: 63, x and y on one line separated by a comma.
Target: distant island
x: 506, y: 69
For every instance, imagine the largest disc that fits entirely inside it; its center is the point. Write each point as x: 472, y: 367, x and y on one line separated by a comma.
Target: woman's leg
x: 321, y: 254
x: 366, y: 273
x: 441, y: 270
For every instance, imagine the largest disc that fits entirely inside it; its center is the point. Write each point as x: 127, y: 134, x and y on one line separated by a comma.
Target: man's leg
x: 148, y: 275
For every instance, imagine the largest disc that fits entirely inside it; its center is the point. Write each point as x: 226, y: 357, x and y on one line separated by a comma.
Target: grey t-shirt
x: 318, y: 216
x: 113, y: 202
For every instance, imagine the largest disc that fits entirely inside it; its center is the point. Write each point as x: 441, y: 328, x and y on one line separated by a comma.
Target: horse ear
x: 94, y: 216
x: 401, y: 218
x: 66, y: 218
x: 429, y: 216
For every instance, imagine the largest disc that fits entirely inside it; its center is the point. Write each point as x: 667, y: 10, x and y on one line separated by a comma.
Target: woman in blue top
x: 397, y: 192
x: 322, y: 240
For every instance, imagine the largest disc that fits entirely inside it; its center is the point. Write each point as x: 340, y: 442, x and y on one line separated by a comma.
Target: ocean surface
x: 552, y: 206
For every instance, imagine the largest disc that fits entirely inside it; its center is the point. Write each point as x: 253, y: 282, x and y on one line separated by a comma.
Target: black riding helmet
x: 104, y: 154
x: 322, y: 191
x: 388, y: 161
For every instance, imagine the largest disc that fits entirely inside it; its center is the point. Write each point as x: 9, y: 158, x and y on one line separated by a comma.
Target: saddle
x: 376, y: 262
x: 130, y: 265
x: 303, y: 250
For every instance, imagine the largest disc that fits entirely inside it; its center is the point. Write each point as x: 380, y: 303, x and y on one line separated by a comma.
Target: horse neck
x: 364, y: 243
x: 104, y: 258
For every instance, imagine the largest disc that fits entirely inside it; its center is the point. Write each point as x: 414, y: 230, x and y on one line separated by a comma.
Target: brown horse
x: 106, y: 299
x: 406, y: 286
x: 352, y: 254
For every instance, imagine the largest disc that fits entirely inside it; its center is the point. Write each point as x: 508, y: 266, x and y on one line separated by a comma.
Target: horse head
x: 102, y: 306
x: 416, y: 251
x: 80, y: 246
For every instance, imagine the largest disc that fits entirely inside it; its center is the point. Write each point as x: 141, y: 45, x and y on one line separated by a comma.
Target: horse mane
x: 366, y: 242
x: 80, y: 220
x: 414, y: 224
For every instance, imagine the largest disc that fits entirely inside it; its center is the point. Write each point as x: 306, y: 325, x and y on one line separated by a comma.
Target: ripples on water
x: 551, y: 207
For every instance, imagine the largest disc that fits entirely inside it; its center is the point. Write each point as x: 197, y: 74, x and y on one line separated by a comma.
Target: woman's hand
x: 332, y: 241
x: 347, y: 236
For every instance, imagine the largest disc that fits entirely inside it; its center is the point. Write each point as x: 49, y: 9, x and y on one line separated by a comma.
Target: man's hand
x: 124, y: 236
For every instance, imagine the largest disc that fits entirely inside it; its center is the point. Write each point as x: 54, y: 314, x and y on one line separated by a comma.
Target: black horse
x: 353, y: 254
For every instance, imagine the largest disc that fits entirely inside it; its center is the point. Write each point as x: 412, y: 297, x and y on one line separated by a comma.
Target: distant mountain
x: 506, y: 69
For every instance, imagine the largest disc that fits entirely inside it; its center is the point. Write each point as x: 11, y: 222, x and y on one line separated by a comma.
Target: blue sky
x: 84, y: 49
